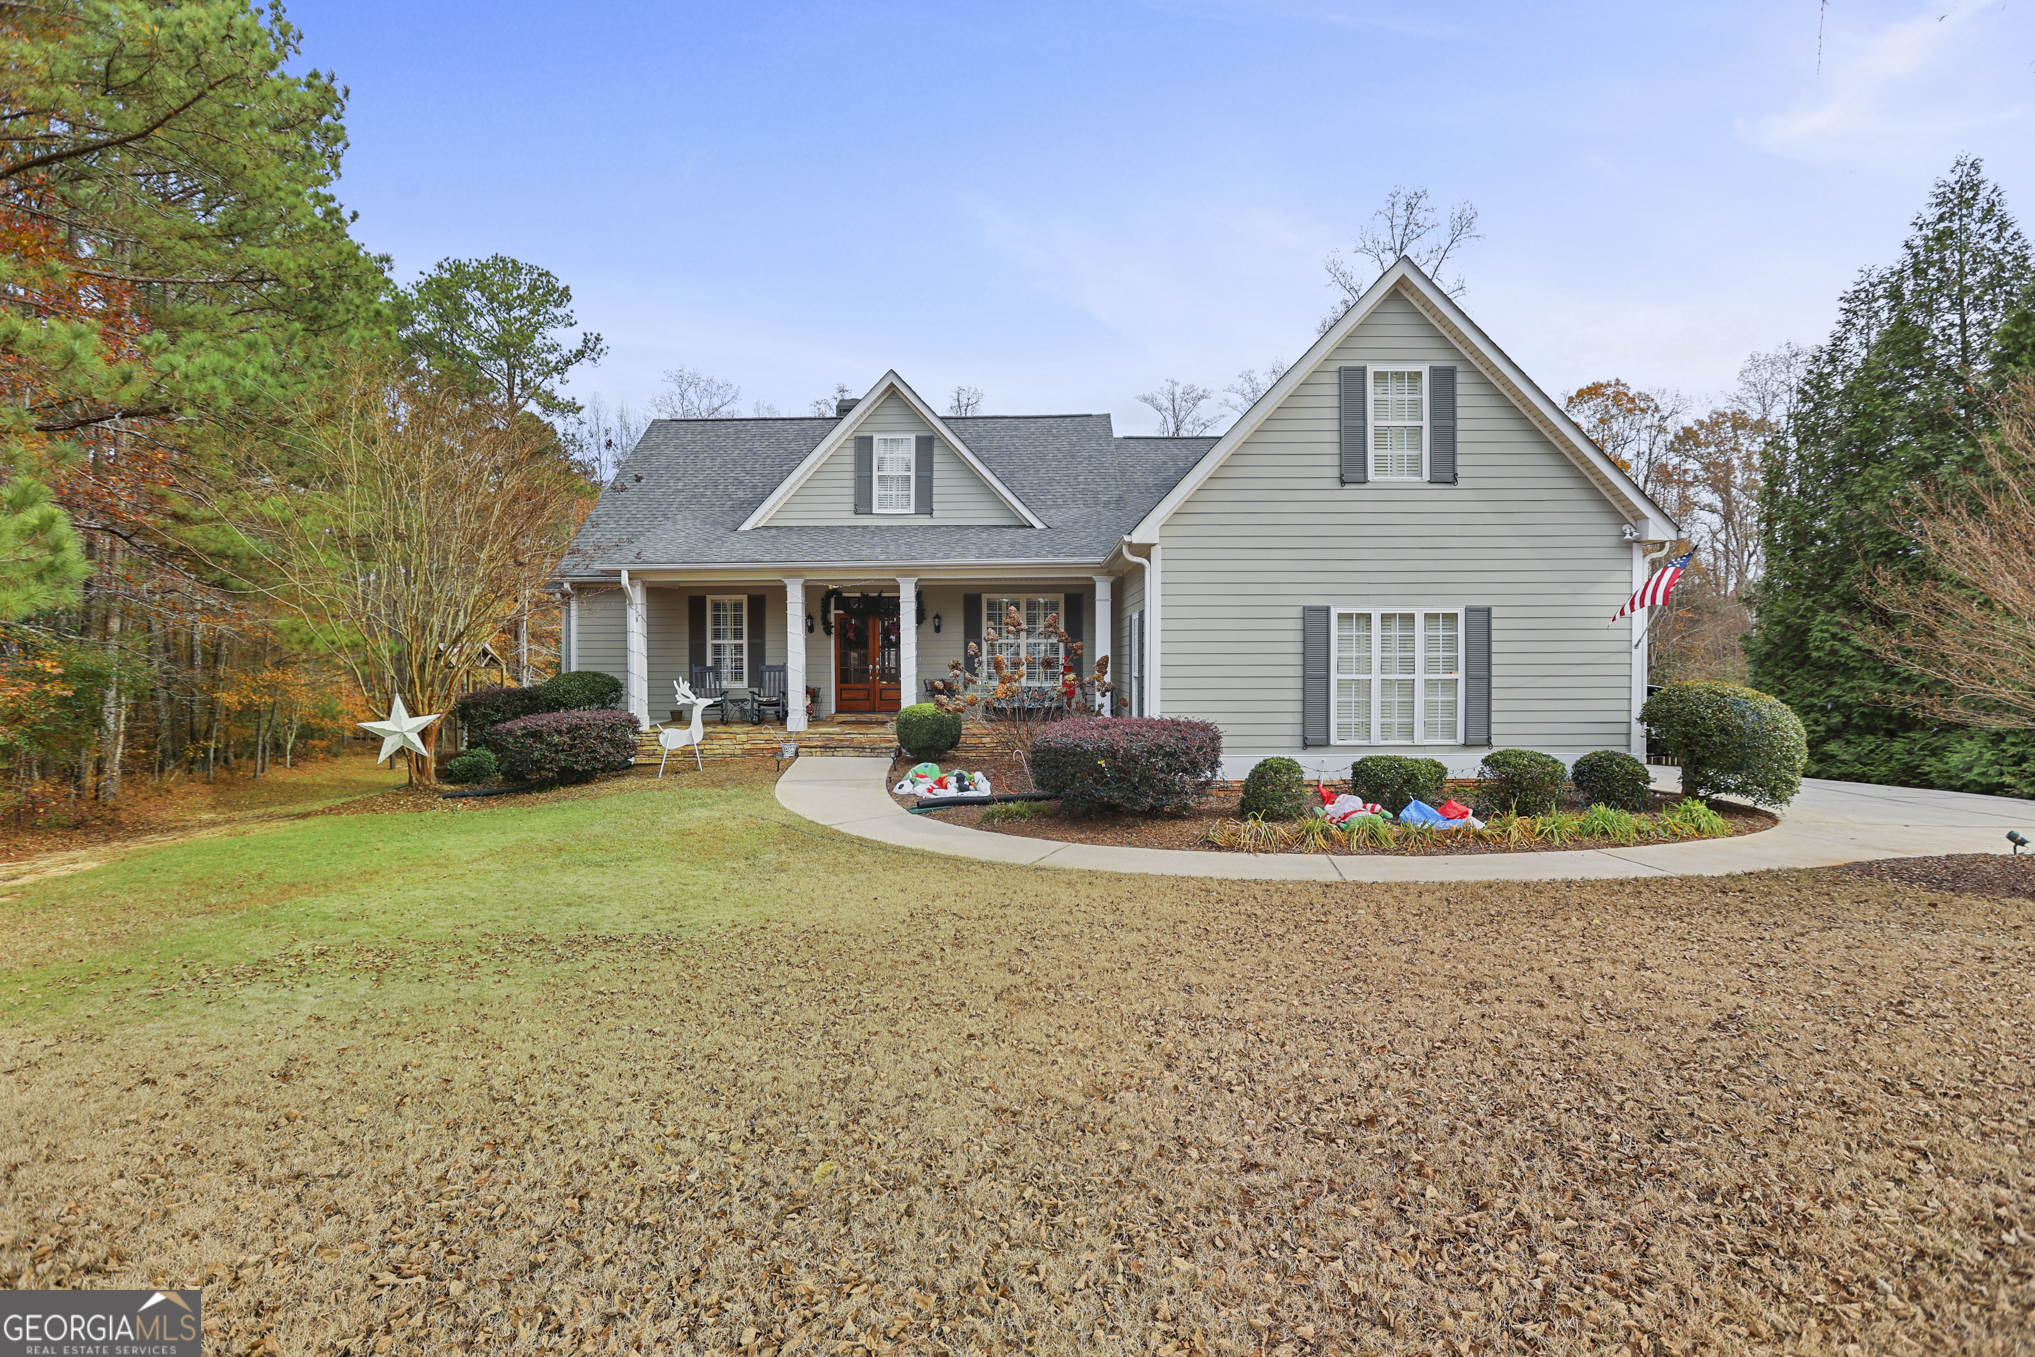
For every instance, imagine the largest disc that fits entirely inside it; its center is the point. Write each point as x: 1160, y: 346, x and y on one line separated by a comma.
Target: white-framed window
x: 728, y: 639
x: 1398, y: 676
x: 894, y: 473
x: 1398, y: 424
x: 1041, y: 653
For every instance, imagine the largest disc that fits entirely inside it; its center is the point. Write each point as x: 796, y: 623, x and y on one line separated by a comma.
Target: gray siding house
x: 1403, y: 547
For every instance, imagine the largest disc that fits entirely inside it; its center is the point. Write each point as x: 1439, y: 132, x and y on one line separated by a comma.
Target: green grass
x: 644, y: 859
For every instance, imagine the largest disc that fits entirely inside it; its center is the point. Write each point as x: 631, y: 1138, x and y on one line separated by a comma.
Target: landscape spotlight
x: 2018, y: 839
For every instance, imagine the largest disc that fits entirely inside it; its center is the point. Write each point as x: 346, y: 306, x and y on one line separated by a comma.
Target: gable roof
x: 1406, y: 279
x: 689, y: 485
x: 888, y: 384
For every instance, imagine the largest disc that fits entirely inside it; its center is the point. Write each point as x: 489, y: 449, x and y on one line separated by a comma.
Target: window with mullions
x: 728, y: 639
x: 1398, y: 424
x: 1398, y: 677
x: 1040, y: 652
x: 893, y: 474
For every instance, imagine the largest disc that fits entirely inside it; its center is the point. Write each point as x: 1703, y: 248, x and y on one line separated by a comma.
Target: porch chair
x: 768, y: 698
x: 670, y: 738
x: 706, y: 681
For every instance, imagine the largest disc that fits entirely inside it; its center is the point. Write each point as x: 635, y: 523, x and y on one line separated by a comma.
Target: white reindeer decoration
x: 670, y: 738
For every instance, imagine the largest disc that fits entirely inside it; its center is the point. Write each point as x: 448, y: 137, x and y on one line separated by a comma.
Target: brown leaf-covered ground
x: 902, y: 1104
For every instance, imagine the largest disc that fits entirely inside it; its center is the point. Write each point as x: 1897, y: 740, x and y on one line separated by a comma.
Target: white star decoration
x: 400, y: 730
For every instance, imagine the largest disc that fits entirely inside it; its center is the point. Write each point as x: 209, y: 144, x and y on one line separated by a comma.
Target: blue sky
x: 1064, y: 204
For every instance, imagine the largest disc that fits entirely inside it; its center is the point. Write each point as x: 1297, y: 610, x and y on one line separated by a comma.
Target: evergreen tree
x: 1897, y: 397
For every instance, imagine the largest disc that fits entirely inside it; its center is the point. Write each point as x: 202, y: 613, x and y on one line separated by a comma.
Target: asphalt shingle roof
x: 690, y: 483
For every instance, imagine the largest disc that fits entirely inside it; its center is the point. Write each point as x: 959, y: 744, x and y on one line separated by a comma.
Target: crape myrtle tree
x: 1894, y: 407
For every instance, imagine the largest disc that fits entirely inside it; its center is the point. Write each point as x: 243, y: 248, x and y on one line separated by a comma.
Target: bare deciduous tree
x: 600, y: 437
x: 691, y: 394
x: 405, y: 525
x: 1632, y: 425
x: 1179, y: 407
x: 1406, y: 225
x: 829, y: 406
x: 1241, y: 394
x: 1968, y: 628
x: 762, y: 409
x: 966, y: 400
x: 1767, y: 383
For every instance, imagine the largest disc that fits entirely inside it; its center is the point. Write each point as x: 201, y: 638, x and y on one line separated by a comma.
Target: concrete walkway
x: 1830, y: 823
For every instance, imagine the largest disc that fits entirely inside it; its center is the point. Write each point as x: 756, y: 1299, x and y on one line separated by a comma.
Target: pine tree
x: 1896, y: 397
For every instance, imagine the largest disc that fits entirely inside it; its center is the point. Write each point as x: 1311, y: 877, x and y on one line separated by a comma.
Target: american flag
x: 1657, y: 588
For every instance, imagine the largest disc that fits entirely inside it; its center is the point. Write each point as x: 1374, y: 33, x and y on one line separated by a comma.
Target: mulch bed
x: 2001, y: 874
x: 1188, y: 831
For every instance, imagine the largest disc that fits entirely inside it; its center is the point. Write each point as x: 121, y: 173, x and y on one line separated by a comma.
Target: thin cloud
x: 1916, y: 85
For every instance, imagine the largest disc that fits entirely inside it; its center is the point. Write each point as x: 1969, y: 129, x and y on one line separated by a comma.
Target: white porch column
x: 1098, y: 649
x: 794, y: 654
x: 636, y: 629
x: 907, y: 639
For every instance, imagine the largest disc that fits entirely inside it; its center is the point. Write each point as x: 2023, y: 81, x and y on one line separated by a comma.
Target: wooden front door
x: 865, y: 663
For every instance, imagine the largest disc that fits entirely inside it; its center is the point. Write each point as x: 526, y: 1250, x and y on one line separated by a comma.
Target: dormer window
x: 894, y: 473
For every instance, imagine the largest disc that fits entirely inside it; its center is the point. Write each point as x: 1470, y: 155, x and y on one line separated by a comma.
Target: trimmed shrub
x: 1731, y: 741
x: 1275, y: 790
x: 1611, y: 778
x: 1133, y: 763
x: 1523, y: 781
x: 564, y: 746
x: 1393, y: 780
x: 925, y: 732
x: 581, y: 690
x: 475, y: 765
x: 481, y: 710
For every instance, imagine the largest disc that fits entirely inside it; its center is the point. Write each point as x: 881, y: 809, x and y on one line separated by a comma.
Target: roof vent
x: 845, y: 404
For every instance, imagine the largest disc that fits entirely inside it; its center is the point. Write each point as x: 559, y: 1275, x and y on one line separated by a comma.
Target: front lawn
x: 654, y: 1064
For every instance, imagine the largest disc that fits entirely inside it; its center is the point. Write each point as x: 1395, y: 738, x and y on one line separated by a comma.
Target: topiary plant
x: 581, y: 690
x: 1731, y: 741
x: 1523, y: 781
x: 1276, y: 789
x: 1611, y: 778
x: 1393, y: 780
x: 1133, y: 763
x: 925, y: 732
x: 475, y: 765
x: 565, y: 746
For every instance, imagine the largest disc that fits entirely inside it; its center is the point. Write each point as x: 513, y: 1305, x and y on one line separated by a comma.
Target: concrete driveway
x: 1830, y: 823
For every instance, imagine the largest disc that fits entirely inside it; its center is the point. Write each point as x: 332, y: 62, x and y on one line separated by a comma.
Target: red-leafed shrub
x: 564, y: 746
x: 1160, y: 763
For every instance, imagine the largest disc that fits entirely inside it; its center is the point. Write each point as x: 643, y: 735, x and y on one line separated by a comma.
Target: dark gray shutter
x: 1070, y: 622
x: 865, y: 474
x: 971, y: 626
x: 1477, y: 676
x: 1314, y: 673
x: 1441, y: 425
x: 922, y: 475
x: 695, y: 632
x: 756, y: 633
x: 1355, y: 426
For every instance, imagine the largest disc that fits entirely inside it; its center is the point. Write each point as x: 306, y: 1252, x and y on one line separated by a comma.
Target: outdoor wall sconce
x: 936, y: 623
x: 809, y: 624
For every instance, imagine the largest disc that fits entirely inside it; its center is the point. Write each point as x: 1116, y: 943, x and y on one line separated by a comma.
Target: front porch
x: 850, y: 645
x: 819, y: 739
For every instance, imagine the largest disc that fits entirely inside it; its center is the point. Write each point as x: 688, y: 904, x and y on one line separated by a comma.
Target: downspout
x: 568, y: 631
x: 1149, y: 579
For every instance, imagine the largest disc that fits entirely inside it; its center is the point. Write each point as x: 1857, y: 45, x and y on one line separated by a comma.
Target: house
x: 1404, y: 546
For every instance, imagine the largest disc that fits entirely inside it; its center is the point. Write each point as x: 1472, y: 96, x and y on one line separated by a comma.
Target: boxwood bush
x: 1612, y: 778
x: 1731, y: 741
x: 925, y: 732
x: 564, y: 746
x: 1133, y: 763
x: 1276, y: 789
x: 581, y: 690
x: 475, y: 765
x: 1393, y: 780
x: 1523, y: 781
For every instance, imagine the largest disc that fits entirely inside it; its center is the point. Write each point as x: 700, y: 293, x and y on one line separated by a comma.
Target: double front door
x: 865, y: 663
